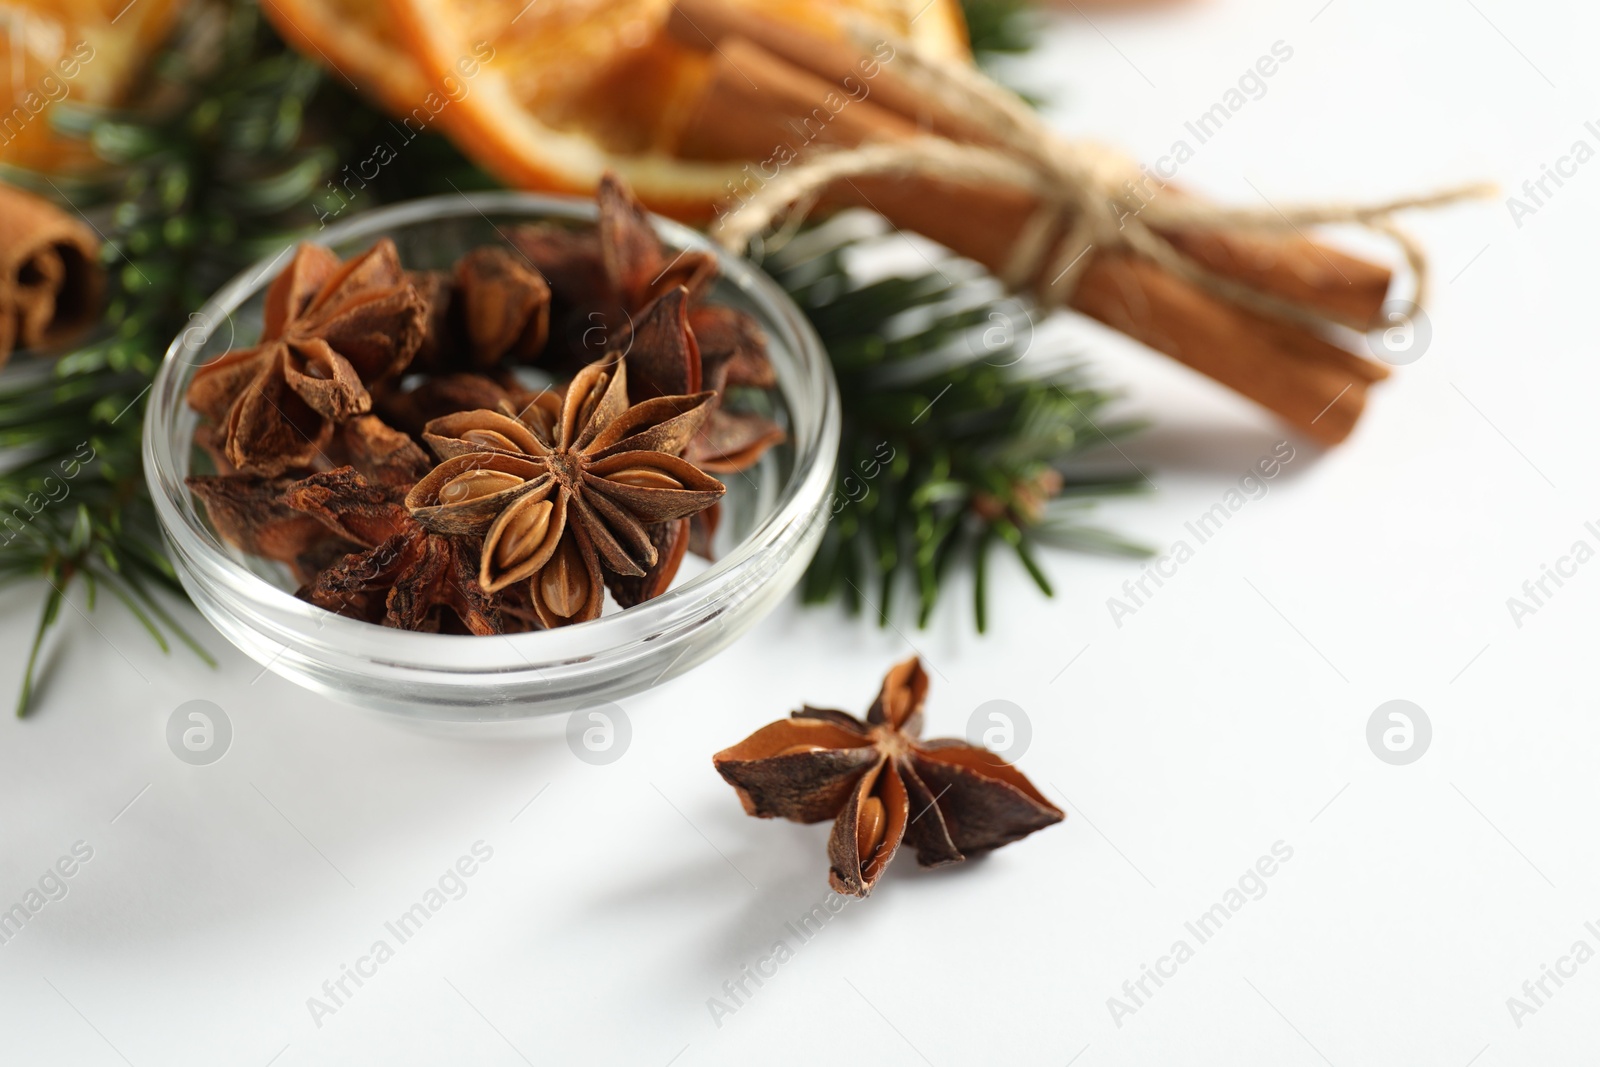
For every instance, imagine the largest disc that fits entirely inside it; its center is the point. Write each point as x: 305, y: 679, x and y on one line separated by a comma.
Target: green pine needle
x: 950, y: 432
x: 1001, y: 27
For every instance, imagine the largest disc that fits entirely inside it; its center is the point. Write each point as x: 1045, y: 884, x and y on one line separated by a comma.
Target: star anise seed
x: 883, y: 786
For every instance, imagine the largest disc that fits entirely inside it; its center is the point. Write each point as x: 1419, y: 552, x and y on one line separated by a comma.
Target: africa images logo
x: 199, y: 732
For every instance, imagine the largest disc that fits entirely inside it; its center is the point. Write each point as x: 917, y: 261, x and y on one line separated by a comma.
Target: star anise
x: 664, y: 360
x: 248, y: 511
x: 881, y: 785
x: 330, y: 330
x: 558, y: 504
x: 493, y: 308
x: 606, y: 285
x: 404, y: 576
x: 601, y: 279
x: 412, y: 409
x: 640, y: 268
x: 664, y: 350
x: 379, y: 452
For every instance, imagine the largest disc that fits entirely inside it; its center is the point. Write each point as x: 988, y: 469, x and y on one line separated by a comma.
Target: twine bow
x: 1086, y: 191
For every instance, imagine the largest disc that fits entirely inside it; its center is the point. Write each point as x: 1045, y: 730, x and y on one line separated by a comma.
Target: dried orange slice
x: 356, y: 42
x: 549, y: 94
x: 87, y: 51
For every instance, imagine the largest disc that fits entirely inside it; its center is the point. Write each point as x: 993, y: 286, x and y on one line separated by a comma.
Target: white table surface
x: 1227, y: 715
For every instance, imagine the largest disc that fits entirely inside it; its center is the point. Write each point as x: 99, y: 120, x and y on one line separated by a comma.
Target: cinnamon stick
x: 1348, y: 290
x: 1343, y: 287
x: 1279, y: 367
x: 1310, y: 383
x: 49, y: 280
x: 758, y: 107
x: 757, y: 104
x: 706, y: 24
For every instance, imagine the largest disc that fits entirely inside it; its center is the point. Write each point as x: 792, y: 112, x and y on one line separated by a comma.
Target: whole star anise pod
x: 248, y: 511
x: 556, y: 504
x: 404, y: 576
x: 881, y: 785
x: 492, y: 308
x: 329, y: 331
x: 664, y: 351
x: 602, y: 279
x: 606, y: 285
x: 664, y: 360
x: 411, y: 410
x: 379, y: 452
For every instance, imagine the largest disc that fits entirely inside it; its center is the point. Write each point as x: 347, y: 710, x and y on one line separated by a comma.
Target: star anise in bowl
x: 412, y: 446
x: 608, y: 285
x: 547, y: 496
x: 330, y: 331
x: 400, y: 575
x: 882, y: 786
x: 554, y: 506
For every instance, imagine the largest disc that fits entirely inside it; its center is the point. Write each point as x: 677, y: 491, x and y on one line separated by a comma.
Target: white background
x: 1226, y: 715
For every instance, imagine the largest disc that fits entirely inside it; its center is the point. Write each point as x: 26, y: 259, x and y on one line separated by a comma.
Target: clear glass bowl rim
x: 814, y: 417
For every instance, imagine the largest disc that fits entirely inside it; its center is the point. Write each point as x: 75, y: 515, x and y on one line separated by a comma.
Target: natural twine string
x: 1086, y: 189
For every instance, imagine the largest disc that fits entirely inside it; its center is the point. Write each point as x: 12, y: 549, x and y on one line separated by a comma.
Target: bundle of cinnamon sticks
x: 776, y: 93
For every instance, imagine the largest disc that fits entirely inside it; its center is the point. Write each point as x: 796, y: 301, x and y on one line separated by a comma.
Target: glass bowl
x: 773, y: 515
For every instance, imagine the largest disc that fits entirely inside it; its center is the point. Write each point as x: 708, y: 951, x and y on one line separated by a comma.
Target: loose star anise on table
x: 329, y: 331
x: 561, y: 505
x: 881, y: 785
